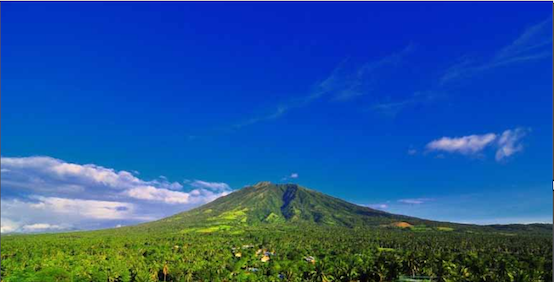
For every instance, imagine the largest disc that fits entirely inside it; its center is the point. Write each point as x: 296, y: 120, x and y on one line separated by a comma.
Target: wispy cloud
x: 281, y: 110
x: 347, y: 81
x: 416, y: 201
x: 393, y: 108
x: 350, y: 81
x: 507, y: 143
x: 51, y: 191
x: 217, y: 186
x: 529, y: 44
x: 532, y: 44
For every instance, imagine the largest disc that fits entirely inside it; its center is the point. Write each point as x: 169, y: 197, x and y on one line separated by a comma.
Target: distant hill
x: 291, y: 204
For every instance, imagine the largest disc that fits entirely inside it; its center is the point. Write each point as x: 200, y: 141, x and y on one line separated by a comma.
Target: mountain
x: 289, y: 204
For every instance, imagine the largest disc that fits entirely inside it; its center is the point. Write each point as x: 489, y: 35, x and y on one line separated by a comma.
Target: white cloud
x: 57, y: 169
x: 10, y: 226
x: 293, y: 175
x: 158, y: 194
x: 85, y: 208
x: 34, y: 172
x: 508, y: 143
x: 53, y: 176
x: 467, y: 145
x: 53, y: 214
x: 46, y: 190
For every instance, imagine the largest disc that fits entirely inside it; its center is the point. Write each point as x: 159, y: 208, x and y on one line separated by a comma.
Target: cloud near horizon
x: 507, y: 143
x: 389, y: 204
x: 44, y: 194
x: 454, y: 207
x: 378, y: 206
x: 416, y: 201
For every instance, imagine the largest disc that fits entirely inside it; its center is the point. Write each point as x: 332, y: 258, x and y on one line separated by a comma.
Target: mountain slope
x: 267, y: 203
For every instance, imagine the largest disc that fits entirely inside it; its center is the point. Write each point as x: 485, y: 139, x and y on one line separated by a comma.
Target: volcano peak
x: 262, y: 184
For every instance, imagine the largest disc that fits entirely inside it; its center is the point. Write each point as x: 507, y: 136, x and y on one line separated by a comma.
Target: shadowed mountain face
x: 266, y: 202
x: 290, y: 204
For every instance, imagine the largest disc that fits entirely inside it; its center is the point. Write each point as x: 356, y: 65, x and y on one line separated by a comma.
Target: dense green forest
x: 283, y: 233
x: 276, y: 253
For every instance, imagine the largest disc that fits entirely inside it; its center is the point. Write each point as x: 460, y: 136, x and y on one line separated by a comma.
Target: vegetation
x: 338, y: 255
x: 283, y: 233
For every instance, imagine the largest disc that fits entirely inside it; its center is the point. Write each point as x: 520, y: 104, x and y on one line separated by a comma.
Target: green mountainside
x: 267, y: 203
x: 292, y: 205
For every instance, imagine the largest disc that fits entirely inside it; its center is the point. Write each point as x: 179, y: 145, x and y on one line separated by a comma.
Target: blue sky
x: 117, y: 113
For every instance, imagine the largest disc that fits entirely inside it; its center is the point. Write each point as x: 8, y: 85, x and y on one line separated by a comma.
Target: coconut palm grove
x: 276, y: 141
